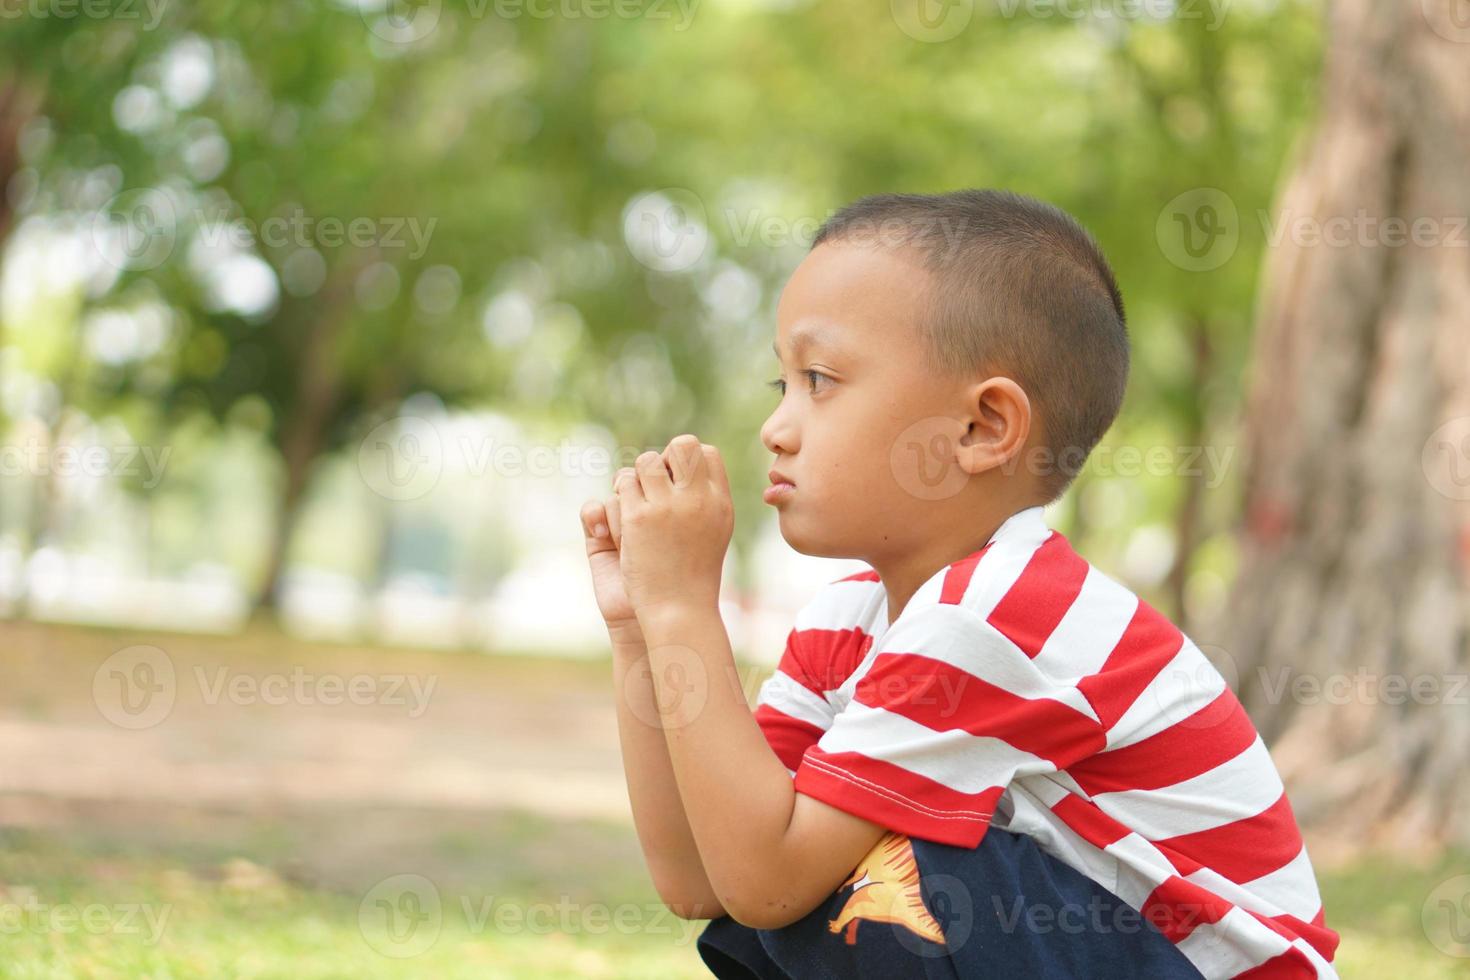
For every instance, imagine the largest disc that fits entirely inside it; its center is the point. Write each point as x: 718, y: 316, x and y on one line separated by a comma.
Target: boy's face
x: 849, y: 314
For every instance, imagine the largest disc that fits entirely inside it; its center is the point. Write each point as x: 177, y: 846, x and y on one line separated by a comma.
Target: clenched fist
x: 659, y: 542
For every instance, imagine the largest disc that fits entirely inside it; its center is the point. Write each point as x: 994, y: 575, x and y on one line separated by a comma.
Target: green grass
x: 279, y: 890
x: 1378, y: 906
x: 153, y: 917
x: 234, y: 918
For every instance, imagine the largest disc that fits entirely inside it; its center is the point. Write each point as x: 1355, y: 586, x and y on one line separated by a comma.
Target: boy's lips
x: 780, y: 489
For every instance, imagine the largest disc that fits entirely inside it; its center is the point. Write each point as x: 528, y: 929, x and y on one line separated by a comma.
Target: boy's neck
x: 904, y: 572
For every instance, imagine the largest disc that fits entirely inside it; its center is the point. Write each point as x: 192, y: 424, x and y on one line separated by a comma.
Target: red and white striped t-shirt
x: 1022, y: 687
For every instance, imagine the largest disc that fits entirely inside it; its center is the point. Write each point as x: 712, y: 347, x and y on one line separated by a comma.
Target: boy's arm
x: 669, y: 847
x: 770, y: 854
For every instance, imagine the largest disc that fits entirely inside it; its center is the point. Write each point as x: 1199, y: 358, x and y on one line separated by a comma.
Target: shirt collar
x: 1026, y: 529
x: 1026, y: 526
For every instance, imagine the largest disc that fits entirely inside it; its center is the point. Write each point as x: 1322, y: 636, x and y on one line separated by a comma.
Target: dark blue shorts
x: 914, y: 908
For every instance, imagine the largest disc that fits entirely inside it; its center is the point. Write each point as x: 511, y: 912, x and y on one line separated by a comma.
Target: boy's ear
x: 1000, y: 422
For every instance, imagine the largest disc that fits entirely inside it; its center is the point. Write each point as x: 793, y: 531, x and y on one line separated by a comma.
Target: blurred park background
x: 320, y: 318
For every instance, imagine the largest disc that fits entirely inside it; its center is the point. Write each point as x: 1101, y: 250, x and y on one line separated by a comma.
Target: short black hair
x: 1021, y: 288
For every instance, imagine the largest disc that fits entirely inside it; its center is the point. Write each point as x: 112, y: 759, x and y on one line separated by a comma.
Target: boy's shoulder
x: 1027, y: 583
x: 1026, y: 566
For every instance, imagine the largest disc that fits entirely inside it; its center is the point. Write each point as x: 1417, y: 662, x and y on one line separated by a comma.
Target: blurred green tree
x: 606, y: 208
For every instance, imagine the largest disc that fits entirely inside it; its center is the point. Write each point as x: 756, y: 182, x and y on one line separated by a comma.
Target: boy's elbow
x: 687, y: 902
x: 756, y: 902
x: 699, y: 900
x: 763, y: 911
x: 696, y: 909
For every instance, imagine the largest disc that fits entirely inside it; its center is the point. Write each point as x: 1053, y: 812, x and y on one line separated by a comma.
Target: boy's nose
x: 778, y: 435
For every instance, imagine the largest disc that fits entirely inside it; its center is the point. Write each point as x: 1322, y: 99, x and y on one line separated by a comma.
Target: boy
x: 979, y: 727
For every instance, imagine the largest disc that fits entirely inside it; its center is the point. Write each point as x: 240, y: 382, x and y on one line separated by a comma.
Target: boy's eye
x: 812, y: 378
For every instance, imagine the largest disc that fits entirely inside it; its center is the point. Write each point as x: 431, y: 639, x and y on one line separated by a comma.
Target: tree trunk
x: 18, y: 105
x: 1189, y: 519
x: 1356, y: 536
x: 302, y: 432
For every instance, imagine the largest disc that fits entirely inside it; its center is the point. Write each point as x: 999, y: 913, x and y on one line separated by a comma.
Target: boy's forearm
x: 668, y: 843
x: 737, y: 797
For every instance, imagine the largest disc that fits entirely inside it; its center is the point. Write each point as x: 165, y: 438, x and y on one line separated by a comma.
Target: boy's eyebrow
x: 807, y: 335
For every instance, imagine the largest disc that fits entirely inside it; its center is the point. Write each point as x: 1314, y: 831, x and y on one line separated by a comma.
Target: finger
x: 686, y: 461
x: 716, y: 467
x: 629, y: 490
x: 594, y: 519
x: 626, y: 475
x: 613, y: 509
x: 595, y: 527
x: 654, y: 478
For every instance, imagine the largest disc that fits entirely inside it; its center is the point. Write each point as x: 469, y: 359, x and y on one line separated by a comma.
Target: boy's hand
x: 676, y: 525
x: 602, y: 531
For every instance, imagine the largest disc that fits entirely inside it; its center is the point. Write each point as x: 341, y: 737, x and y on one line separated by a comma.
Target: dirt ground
x: 337, y: 764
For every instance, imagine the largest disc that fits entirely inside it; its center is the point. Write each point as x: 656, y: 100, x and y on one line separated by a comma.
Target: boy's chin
x: 812, y: 542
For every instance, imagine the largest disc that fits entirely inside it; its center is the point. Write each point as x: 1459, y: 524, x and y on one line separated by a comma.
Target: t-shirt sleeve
x: 791, y: 706
x: 947, y: 714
